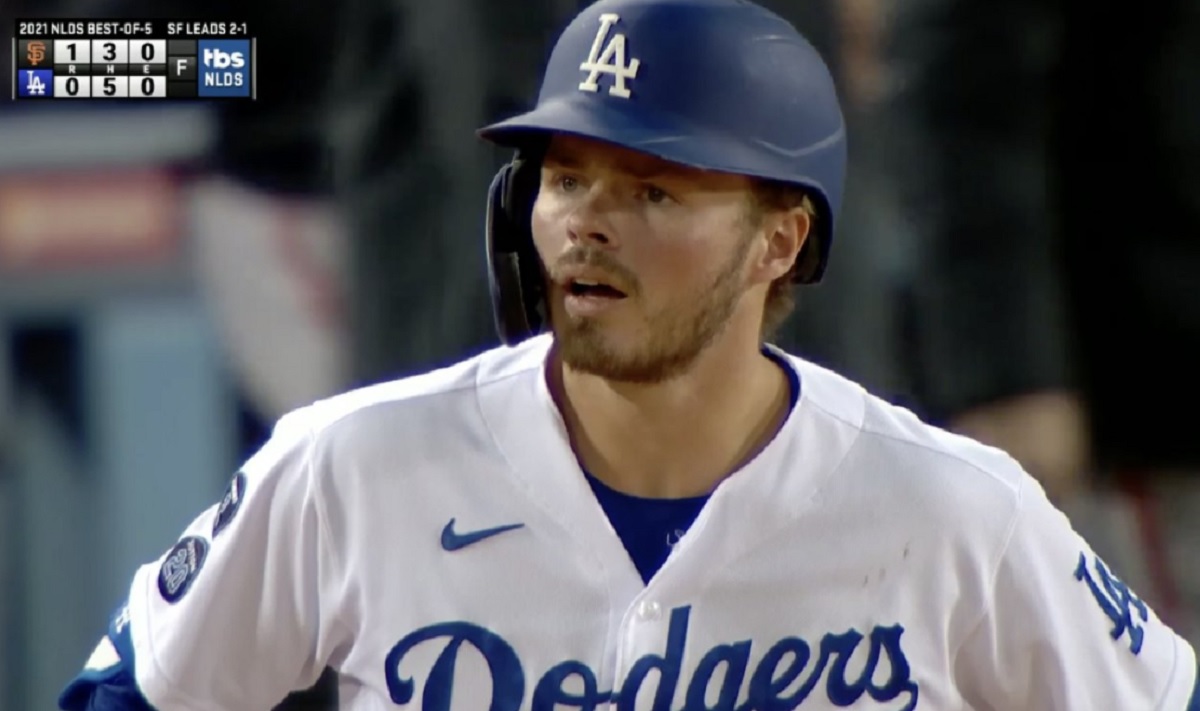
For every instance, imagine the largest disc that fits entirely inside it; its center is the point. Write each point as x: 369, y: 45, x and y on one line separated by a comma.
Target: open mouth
x: 584, y: 287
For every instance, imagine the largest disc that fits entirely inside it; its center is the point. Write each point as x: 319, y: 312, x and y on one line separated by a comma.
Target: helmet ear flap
x: 515, y: 273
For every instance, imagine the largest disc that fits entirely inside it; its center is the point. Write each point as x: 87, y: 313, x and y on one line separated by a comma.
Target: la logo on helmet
x: 611, y: 61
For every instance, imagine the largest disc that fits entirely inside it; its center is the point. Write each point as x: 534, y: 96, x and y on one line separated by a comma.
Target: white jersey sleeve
x: 231, y: 616
x: 1062, y: 632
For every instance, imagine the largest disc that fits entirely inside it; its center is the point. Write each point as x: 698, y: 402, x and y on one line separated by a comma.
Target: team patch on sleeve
x: 1125, y: 610
x: 180, y: 568
x: 230, y: 503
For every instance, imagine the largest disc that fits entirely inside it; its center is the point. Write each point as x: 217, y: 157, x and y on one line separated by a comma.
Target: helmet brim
x: 671, y: 138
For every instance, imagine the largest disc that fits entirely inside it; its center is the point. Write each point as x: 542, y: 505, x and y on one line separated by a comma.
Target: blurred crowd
x: 1019, y: 261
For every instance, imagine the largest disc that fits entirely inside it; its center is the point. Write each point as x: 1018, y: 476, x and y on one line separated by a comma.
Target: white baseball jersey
x: 435, y: 542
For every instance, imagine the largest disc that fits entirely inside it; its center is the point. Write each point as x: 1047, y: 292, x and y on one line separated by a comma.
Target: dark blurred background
x: 1018, y: 259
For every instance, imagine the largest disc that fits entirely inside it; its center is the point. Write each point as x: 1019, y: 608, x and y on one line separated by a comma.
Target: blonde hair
x: 769, y: 196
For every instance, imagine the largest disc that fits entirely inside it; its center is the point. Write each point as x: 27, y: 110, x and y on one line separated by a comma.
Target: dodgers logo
x: 782, y: 679
x: 1122, y: 607
x: 611, y: 61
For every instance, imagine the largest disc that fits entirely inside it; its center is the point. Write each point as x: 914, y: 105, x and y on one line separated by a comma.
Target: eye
x: 655, y: 194
x: 567, y: 183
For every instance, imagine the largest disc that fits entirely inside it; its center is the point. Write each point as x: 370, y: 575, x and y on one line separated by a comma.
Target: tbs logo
x: 225, y: 68
x: 220, y: 59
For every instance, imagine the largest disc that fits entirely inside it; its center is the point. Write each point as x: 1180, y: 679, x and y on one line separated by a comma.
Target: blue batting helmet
x: 722, y: 85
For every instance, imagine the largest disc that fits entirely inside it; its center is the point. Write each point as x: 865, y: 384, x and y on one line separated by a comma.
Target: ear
x: 785, y: 233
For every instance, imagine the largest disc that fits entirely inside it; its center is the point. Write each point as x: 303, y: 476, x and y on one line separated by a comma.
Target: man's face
x: 645, y: 259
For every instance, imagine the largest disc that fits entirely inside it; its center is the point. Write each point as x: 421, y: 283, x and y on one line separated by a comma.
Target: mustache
x: 622, y: 277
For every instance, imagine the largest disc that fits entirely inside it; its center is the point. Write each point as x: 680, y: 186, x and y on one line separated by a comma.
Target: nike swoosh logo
x: 452, y: 541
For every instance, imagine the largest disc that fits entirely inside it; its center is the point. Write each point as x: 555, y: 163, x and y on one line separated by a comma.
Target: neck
x: 678, y: 438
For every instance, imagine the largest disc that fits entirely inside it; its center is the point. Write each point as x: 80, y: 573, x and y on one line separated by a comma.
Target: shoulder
x: 389, y: 422
x: 951, y: 480
x: 919, y: 448
x: 439, y: 398
x: 407, y: 437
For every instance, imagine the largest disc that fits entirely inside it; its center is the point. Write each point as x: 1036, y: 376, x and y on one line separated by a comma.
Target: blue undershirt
x: 650, y: 527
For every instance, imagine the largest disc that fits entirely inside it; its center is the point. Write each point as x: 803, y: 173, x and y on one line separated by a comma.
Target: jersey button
x: 649, y: 610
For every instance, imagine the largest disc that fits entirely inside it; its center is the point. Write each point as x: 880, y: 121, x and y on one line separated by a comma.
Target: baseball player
x: 638, y: 503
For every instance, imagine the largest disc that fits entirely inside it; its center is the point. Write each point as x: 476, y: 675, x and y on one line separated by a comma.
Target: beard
x: 675, y: 337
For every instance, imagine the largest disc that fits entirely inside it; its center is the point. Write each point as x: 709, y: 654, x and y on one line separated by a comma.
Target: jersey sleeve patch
x: 230, y: 503
x: 1125, y: 610
x: 107, y: 681
x: 180, y: 567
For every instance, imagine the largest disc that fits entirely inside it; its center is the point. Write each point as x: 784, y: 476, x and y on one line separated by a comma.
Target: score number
x: 139, y: 69
x: 110, y: 52
x: 111, y: 87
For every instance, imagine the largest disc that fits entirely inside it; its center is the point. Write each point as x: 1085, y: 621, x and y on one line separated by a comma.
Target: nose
x: 589, y: 223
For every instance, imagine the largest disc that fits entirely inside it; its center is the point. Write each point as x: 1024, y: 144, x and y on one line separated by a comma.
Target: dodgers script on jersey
x: 433, y: 540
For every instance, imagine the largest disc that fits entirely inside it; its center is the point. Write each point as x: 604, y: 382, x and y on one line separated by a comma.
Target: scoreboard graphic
x: 133, y: 59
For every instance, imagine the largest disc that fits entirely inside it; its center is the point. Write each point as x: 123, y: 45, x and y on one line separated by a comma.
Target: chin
x: 593, y: 349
